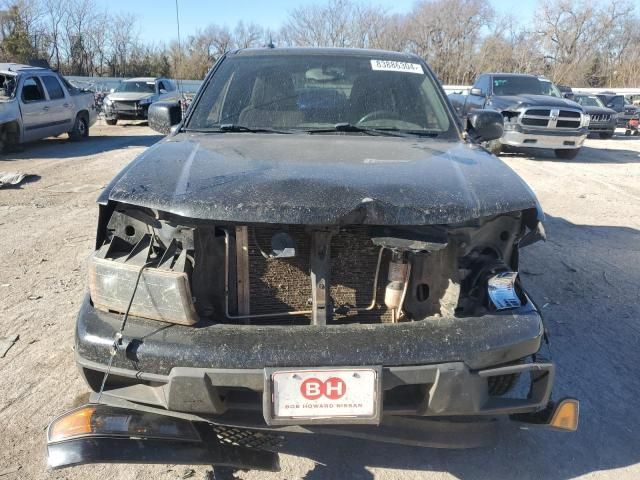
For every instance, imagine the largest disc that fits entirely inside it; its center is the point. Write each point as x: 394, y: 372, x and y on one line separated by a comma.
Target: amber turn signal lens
x: 72, y: 425
x: 565, y: 416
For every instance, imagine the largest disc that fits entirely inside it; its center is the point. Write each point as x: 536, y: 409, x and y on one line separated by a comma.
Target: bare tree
x: 446, y: 33
x: 338, y: 23
x: 579, y: 42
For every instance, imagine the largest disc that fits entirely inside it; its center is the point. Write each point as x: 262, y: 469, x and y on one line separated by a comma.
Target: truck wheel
x: 80, y: 128
x: 566, y: 153
x: 9, y: 138
x: 606, y: 136
x: 111, y: 121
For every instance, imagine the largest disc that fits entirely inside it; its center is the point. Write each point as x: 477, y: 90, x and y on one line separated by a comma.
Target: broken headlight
x: 156, y: 285
x: 510, y: 120
x: 502, y: 290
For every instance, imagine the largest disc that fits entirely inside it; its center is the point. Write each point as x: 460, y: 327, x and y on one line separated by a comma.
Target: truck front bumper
x: 139, y: 112
x: 537, y: 138
x: 438, y: 367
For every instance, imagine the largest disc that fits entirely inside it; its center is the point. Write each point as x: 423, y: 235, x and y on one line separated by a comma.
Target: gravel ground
x: 586, y: 277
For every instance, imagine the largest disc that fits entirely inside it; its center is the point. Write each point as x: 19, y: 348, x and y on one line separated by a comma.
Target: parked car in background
x: 131, y: 99
x: 626, y: 111
x: 603, y: 120
x: 566, y: 91
x: 318, y: 243
x: 37, y: 103
x: 535, y: 114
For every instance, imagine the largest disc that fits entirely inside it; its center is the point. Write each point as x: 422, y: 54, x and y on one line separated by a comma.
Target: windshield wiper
x: 230, y: 127
x: 348, y: 127
x: 388, y: 132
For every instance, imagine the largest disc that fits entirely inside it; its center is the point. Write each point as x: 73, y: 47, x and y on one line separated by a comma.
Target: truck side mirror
x: 164, y: 115
x: 485, y: 125
x: 476, y: 92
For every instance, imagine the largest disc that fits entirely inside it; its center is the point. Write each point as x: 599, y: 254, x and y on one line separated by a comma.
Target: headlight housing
x: 586, y: 120
x: 107, y: 101
x: 162, y: 292
x: 146, y: 101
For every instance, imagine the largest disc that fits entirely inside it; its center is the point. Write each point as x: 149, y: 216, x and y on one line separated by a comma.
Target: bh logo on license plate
x: 324, y: 393
x: 332, y: 388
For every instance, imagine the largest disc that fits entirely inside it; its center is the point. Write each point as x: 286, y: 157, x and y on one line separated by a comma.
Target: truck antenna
x: 179, y: 60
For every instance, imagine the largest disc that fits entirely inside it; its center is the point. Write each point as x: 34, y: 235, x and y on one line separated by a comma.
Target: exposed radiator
x: 283, y: 284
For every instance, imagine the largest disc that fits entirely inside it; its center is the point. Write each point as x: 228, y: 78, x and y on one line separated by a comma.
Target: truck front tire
x: 9, y: 137
x: 566, y: 153
x: 111, y: 121
x: 80, y: 128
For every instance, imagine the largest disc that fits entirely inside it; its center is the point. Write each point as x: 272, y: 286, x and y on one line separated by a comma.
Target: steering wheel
x: 378, y: 114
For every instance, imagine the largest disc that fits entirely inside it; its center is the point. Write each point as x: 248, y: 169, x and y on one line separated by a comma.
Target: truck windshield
x: 309, y: 93
x: 586, y: 101
x: 516, y: 85
x: 139, y: 87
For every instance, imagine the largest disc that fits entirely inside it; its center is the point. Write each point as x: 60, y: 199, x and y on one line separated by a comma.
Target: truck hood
x: 512, y: 102
x: 128, y: 96
x: 320, y: 180
x: 598, y: 110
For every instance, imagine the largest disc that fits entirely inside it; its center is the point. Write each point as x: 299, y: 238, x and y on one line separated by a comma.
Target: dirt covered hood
x: 320, y: 179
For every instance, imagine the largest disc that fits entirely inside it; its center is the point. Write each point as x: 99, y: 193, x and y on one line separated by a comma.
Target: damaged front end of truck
x: 250, y: 285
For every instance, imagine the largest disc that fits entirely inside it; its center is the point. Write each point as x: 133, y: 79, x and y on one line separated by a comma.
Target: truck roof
x: 518, y: 75
x: 142, y: 79
x: 19, y: 68
x: 385, y: 54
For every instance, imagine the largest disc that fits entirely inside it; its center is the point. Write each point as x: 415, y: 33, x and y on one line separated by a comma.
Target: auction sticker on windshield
x: 394, y: 66
x: 325, y: 394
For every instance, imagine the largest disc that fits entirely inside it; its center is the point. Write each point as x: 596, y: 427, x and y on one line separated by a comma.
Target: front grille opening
x: 240, y: 398
x: 568, y: 124
x: 569, y: 114
x: 405, y: 397
x: 535, y: 122
x: 539, y: 112
x: 569, y: 143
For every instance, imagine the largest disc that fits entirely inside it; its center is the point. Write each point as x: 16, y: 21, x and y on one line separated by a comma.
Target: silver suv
x: 37, y: 103
x: 131, y: 99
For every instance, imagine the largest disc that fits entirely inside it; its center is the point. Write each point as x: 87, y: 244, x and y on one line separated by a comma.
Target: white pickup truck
x: 37, y: 103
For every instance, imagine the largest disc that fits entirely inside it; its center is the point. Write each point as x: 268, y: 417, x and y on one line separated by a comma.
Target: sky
x: 157, y: 20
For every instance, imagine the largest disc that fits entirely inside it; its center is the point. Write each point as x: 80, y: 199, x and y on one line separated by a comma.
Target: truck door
x: 35, y: 110
x: 61, y: 109
x: 166, y: 91
x: 478, y: 94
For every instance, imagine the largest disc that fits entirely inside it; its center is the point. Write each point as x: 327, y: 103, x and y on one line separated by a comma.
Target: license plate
x: 338, y: 395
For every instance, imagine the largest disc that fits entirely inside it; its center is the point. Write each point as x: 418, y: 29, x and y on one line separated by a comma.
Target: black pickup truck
x: 318, y: 246
x: 535, y: 114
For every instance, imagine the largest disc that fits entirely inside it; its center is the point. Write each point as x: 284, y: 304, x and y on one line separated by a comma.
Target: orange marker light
x: 566, y: 415
x: 72, y: 425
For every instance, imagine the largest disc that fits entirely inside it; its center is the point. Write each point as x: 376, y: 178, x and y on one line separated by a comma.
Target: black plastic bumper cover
x: 157, y: 348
